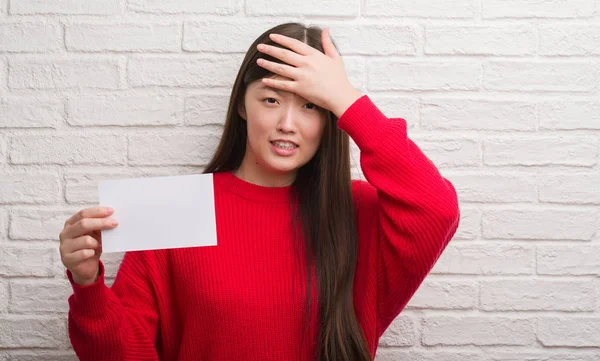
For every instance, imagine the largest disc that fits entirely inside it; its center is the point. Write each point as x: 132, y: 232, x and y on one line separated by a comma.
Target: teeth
x: 285, y: 145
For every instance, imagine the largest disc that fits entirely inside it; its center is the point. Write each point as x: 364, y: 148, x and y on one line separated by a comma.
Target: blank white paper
x: 159, y: 212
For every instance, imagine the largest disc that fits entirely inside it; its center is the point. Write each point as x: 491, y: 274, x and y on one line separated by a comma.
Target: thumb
x: 328, y: 46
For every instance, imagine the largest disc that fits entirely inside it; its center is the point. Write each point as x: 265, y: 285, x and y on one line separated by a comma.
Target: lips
x: 284, y: 151
x: 284, y: 141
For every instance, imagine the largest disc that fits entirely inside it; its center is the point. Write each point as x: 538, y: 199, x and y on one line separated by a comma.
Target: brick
x: 3, y: 149
x: 123, y: 37
x: 568, y: 260
x: 425, y: 9
x: 32, y: 331
x: 398, y: 107
x: 480, y: 40
x: 457, y: 152
x: 72, y: 7
x: 182, y: 72
x: 225, y: 7
x: 206, y: 110
x: 311, y: 7
x: 531, y: 151
x: 493, y: 9
x: 445, y: 295
x: 30, y: 262
x: 479, y: 331
x: 485, y: 355
x: 486, y: 259
x: 42, y: 354
x: 29, y: 188
x: 31, y: 224
x: 519, y: 75
x: 569, y: 115
x: 30, y: 37
x: 569, y: 331
x: 387, y: 354
x: 4, y: 295
x: 569, y: 188
x: 401, y: 332
x: 537, y: 295
x: 597, y: 281
x: 3, y: 74
x: 112, y: 262
x: 470, y: 224
x: 385, y: 74
x: 64, y: 74
x: 31, y: 112
x: 178, y: 149
x: 477, y: 114
x: 3, y: 225
x: 569, y: 40
x: 551, y: 224
x: 223, y: 36
x: 494, y: 187
x: 570, y: 355
x: 125, y: 110
x: 28, y: 296
x: 375, y: 39
x: 67, y: 149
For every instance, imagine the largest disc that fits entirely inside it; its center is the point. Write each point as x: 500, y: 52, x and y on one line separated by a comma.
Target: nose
x: 286, y: 121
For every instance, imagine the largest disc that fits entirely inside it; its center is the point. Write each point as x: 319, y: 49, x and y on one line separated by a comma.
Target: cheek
x: 255, y: 131
x: 313, y: 133
x: 257, y: 126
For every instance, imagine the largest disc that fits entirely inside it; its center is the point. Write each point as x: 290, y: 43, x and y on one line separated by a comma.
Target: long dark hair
x: 322, y: 202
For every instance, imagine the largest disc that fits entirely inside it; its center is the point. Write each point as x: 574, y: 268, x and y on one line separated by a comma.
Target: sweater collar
x: 231, y: 183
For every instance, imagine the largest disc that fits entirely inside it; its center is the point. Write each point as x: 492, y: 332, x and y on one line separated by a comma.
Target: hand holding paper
x: 160, y: 212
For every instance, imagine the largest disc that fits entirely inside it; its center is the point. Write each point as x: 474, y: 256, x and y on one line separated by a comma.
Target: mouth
x: 284, y: 144
x: 284, y: 148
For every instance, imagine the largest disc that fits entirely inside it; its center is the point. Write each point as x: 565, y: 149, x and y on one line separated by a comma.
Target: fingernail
x: 109, y: 209
x: 114, y: 222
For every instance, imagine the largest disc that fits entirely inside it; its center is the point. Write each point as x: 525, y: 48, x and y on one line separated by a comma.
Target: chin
x: 286, y: 165
x: 284, y: 168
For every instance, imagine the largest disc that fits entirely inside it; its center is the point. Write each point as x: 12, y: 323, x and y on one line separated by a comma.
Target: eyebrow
x: 266, y: 87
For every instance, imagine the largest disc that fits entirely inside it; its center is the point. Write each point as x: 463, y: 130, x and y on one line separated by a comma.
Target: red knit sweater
x: 243, y: 299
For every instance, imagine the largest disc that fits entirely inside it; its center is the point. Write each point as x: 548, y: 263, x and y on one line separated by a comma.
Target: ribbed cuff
x: 89, y: 299
x: 363, y: 121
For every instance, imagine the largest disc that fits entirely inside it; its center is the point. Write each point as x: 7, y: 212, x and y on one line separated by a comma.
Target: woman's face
x: 284, y: 129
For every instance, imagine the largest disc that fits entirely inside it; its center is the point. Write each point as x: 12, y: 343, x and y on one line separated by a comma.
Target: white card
x: 159, y: 212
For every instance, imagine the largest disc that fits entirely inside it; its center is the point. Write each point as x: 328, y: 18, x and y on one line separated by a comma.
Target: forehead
x: 260, y: 86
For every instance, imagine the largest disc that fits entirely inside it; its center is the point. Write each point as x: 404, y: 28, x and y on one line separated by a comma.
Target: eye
x: 311, y: 106
x: 270, y: 100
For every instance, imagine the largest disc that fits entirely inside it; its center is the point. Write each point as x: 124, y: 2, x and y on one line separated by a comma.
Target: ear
x: 242, y: 110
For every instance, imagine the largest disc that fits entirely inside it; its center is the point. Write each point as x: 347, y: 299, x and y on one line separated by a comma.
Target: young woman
x: 309, y: 265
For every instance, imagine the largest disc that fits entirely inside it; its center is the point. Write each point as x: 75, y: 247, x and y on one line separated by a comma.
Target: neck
x: 251, y: 172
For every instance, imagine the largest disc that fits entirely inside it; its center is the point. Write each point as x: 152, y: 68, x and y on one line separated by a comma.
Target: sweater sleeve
x: 416, y: 209
x: 117, y: 323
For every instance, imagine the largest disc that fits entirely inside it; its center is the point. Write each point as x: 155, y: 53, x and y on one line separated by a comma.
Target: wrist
x: 83, y: 281
x: 346, y: 99
x: 80, y: 281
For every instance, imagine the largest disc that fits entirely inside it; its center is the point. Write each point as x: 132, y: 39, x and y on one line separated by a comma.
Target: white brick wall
x: 503, y: 95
